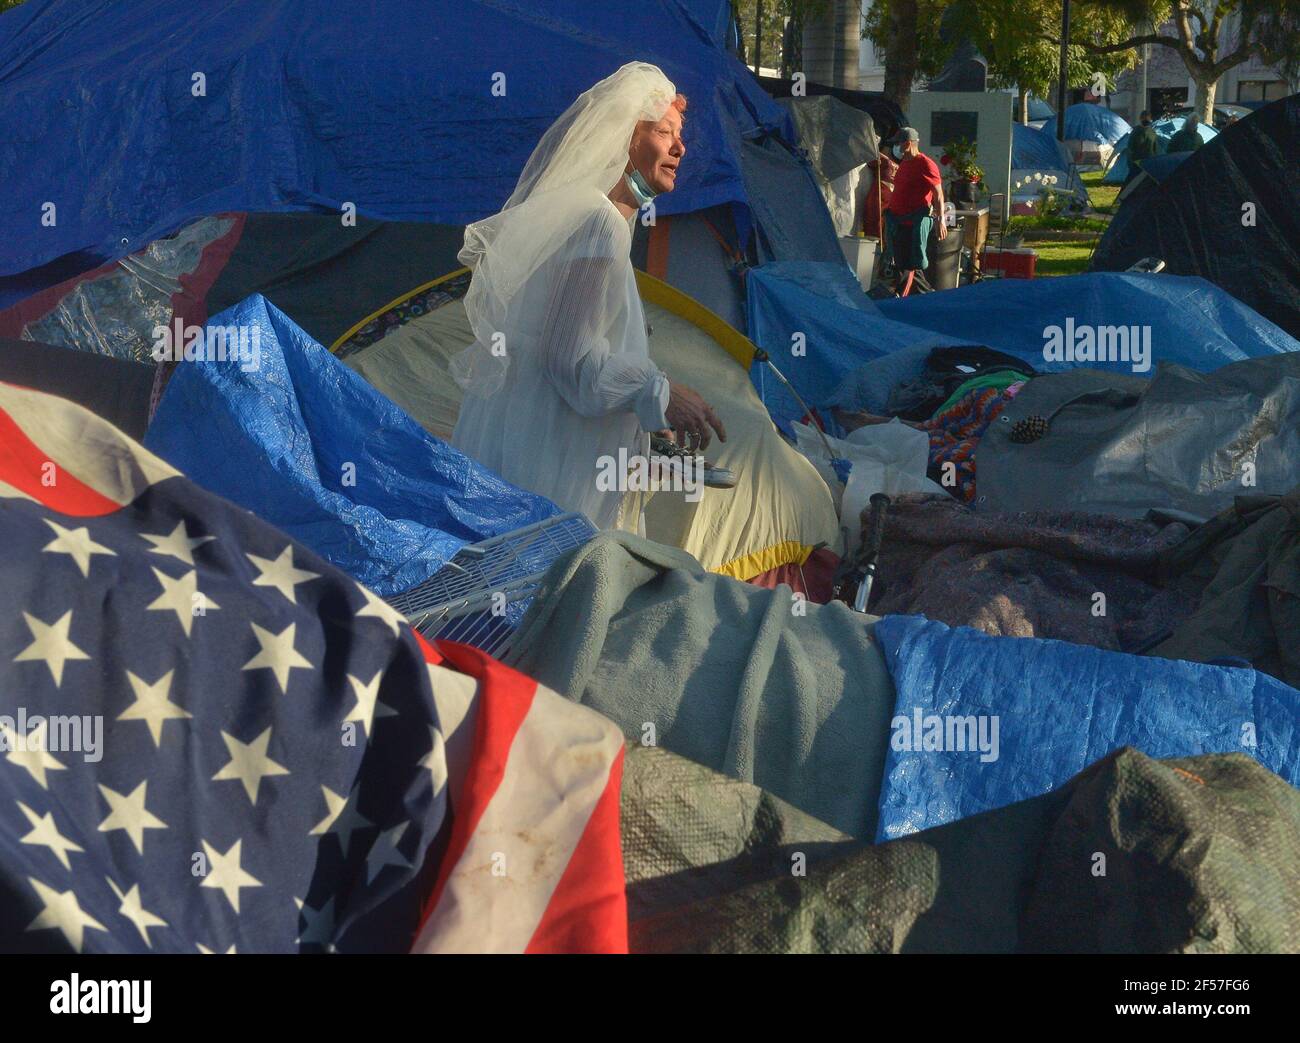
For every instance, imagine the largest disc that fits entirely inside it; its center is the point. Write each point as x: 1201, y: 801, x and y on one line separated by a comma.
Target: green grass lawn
x: 1071, y: 256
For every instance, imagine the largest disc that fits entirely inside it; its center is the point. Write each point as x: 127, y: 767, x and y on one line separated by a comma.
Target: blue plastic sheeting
x: 1165, y: 129
x: 277, y: 439
x: 841, y: 329
x: 1033, y: 150
x: 1193, y: 322
x: 1088, y: 122
x: 1058, y: 708
x: 388, y: 104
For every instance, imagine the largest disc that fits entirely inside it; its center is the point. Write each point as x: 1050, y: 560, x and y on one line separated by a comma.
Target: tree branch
x: 1111, y: 48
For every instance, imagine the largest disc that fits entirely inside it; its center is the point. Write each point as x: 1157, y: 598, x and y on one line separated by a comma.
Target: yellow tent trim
x: 791, y: 552
x: 393, y: 304
x: 656, y: 291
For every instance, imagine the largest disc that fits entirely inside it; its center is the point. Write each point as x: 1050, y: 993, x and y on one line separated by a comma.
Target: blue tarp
x: 841, y: 329
x: 1193, y: 322
x: 388, y: 104
x: 1165, y: 129
x: 1059, y: 707
x: 277, y: 439
x: 1088, y: 122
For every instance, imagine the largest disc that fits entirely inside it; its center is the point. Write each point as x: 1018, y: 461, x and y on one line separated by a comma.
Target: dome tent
x: 1227, y: 214
x: 1165, y: 129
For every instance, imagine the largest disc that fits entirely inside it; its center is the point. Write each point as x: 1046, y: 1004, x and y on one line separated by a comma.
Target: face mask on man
x: 898, y: 152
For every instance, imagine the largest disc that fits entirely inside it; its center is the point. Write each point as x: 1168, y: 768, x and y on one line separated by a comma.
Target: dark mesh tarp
x: 1194, y: 219
x: 1132, y: 855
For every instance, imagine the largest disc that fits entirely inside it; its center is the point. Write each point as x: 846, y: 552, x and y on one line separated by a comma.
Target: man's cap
x: 907, y: 134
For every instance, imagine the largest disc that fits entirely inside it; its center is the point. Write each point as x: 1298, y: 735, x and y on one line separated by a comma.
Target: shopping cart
x: 480, y: 596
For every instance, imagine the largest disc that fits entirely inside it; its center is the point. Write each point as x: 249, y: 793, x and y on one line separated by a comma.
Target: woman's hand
x: 691, y: 417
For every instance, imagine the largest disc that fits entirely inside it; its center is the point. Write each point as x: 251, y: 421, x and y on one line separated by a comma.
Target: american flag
x: 213, y: 741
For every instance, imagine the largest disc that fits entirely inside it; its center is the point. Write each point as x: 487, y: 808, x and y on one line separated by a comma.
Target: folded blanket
x: 752, y: 682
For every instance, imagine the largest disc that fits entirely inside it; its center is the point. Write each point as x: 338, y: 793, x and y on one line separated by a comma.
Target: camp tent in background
x: 839, y: 140
x: 1090, y: 132
x: 1034, y: 152
x: 1228, y: 214
x: 408, y: 138
x: 1117, y: 172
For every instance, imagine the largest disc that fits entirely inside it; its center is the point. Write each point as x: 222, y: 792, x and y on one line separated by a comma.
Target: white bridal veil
x: 579, y: 159
x: 559, y: 382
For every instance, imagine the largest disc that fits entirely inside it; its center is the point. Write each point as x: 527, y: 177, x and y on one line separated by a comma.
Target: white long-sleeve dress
x: 579, y: 384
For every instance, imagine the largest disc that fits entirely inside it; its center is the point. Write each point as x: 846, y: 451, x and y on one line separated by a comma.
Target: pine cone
x: 1030, y: 429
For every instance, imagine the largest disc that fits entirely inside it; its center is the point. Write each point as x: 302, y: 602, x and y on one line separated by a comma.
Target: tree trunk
x: 1203, y: 102
x: 900, y: 52
x: 1022, y: 105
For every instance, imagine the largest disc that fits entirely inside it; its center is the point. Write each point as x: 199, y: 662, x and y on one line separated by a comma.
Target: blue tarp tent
x: 1165, y: 129
x: 1057, y: 708
x: 1193, y: 322
x: 414, y: 110
x: 1034, y: 150
x: 293, y: 435
x: 1088, y: 122
x: 820, y: 310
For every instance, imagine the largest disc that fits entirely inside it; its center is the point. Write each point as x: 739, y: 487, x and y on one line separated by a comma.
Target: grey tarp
x: 837, y: 137
x: 1121, y: 445
x: 791, y: 696
x: 1199, y: 854
x: 1245, y: 563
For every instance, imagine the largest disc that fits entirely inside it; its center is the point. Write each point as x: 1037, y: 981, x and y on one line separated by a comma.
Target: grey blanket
x: 1030, y: 574
x: 791, y: 696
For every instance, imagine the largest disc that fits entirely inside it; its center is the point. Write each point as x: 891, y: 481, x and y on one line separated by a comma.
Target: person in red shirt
x: 917, y: 197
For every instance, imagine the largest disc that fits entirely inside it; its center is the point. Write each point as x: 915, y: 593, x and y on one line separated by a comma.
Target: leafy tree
x: 1211, y: 36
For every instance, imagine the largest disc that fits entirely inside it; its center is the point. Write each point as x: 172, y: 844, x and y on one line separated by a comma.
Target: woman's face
x: 657, y: 149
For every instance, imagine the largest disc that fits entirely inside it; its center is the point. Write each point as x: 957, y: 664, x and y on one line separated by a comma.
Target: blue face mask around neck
x: 639, y: 187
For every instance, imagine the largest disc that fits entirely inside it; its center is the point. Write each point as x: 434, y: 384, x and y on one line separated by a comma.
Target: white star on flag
x: 226, y: 874
x: 133, y: 909
x: 368, y: 705
x: 384, y: 852
x: 341, y: 821
x: 181, y: 596
x: 51, y: 644
x: 249, y: 763
x: 127, y: 812
x: 62, y: 912
x: 280, y: 573
x: 380, y: 609
x: 29, y: 752
x: 77, y: 544
x: 177, y: 544
x: 152, y: 704
x: 277, y: 655
x: 46, y: 834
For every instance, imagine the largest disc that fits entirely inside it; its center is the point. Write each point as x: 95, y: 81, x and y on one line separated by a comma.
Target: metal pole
x: 1065, y: 65
x: 758, y: 36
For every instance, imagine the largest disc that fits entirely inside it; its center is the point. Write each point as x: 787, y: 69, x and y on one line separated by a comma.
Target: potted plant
x: 966, y: 174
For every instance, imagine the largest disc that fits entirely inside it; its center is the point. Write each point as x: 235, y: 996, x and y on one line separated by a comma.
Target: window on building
x: 1261, y: 90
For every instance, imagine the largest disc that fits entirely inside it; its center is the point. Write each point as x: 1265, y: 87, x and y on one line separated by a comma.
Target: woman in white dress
x: 559, y: 375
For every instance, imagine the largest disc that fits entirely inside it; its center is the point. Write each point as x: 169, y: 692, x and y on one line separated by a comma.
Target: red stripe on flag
x: 504, y: 698
x: 430, y: 653
x: 588, y: 911
x: 24, y: 466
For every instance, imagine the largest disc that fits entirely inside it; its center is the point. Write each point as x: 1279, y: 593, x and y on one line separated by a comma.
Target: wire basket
x: 480, y: 596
